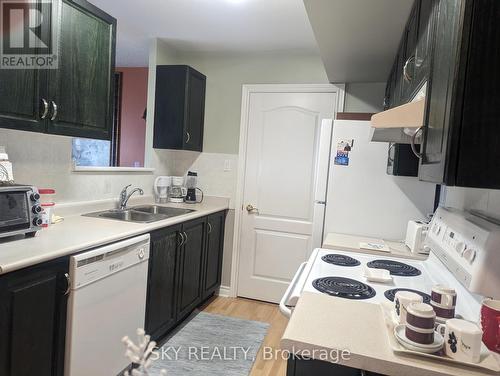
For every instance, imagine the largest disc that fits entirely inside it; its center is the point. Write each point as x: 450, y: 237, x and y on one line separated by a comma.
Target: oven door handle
x: 285, y: 310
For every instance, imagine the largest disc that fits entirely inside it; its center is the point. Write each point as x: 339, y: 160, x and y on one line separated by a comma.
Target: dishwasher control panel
x: 93, y: 265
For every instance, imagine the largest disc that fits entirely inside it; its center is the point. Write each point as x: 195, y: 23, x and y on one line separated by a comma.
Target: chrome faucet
x: 124, y: 196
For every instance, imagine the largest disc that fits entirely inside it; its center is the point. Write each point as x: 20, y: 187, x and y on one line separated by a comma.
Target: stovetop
x: 340, y: 274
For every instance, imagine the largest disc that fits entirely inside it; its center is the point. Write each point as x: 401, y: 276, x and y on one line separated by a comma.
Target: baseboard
x: 225, y: 291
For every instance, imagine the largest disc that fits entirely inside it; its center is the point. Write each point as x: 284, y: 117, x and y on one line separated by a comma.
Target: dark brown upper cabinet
x: 461, y: 143
x: 411, y: 67
x: 179, y: 108
x: 76, y: 99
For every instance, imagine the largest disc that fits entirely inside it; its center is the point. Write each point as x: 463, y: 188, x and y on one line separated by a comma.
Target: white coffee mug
x: 462, y: 340
x: 402, y: 300
x: 445, y: 296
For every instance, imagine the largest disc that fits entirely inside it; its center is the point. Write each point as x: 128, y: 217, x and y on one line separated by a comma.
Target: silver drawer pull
x: 45, y: 108
x: 412, y: 143
x: 406, y: 74
x: 188, y: 137
x: 68, y: 284
x: 54, y: 111
x: 209, y: 228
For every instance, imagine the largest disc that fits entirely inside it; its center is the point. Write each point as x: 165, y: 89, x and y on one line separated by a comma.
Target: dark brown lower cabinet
x: 190, y: 266
x: 162, y: 278
x: 306, y: 367
x: 213, y: 259
x: 33, y: 320
x: 185, y: 268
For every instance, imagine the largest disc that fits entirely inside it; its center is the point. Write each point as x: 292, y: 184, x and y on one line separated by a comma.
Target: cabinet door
x: 23, y: 95
x: 213, y: 257
x: 82, y: 87
x: 190, y: 266
x: 437, y: 164
x: 425, y: 42
x: 408, y: 61
x: 23, y: 99
x: 195, y: 111
x: 33, y: 320
x: 161, y: 298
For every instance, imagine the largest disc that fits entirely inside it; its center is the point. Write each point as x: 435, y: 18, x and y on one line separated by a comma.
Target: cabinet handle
x: 389, y: 152
x: 188, y: 137
x: 209, y: 228
x: 68, y: 284
x: 182, y: 239
x: 54, y: 111
x: 412, y: 143
x: 45, y: 108
x: 406, y: 75
x: 185, y: 237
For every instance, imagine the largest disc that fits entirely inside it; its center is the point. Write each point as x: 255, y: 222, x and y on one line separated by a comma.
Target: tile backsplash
x: 487, y: 200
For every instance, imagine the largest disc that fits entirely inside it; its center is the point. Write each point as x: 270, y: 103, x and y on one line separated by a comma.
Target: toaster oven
x: 20, y: 210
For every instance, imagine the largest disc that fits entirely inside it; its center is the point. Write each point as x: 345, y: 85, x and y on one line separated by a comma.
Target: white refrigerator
x: 362, y: 199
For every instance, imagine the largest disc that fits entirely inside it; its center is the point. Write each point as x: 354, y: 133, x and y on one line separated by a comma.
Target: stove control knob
x: 469, y: 255
x: 36, y: 209
x: 460, y: 247
x: 35, y: 197
x: 37, y: 222
x: 437, y: 229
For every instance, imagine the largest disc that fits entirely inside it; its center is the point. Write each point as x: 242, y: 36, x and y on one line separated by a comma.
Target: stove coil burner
x: 344, y: 288
x: 340, y: 260
x: 391, y: 294
x: 395, y: 268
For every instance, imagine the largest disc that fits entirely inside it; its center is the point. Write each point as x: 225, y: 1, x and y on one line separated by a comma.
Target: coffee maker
x: 177, y: 191
x: 191, y: 182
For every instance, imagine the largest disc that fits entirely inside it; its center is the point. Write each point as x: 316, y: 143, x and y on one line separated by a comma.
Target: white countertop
x: 344, y: 242
x: 77, y: 233
x: 323, y: 323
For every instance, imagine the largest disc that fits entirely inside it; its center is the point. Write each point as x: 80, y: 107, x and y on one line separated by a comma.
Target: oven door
x: 15, y: 215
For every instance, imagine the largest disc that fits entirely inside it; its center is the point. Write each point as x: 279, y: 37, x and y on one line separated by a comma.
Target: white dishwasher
x: 107, y: 302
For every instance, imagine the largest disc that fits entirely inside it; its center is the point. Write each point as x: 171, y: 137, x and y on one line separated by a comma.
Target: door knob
x: 251, y: 209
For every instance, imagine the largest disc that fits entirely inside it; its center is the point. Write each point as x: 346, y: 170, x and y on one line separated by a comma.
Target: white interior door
x: 288, y: 141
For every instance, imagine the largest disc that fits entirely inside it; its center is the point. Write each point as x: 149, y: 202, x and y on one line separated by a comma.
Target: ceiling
x: 229, y: 26
x: 358, y: 39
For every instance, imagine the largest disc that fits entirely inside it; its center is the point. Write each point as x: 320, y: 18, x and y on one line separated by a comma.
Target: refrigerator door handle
x: 320, y: 202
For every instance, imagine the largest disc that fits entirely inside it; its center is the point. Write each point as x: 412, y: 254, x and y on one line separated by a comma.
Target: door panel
x: 196, y: 111
x: 281, y: 176
x: 437, y: 122
x: 214, y: 251
x: 82, y: 87
x: 161, y: 304
x: 190, y: 267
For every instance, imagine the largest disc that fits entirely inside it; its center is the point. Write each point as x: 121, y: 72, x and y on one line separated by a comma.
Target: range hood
x: 400, y: 123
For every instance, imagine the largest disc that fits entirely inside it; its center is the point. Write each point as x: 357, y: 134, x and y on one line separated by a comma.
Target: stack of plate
x: 436, y: 346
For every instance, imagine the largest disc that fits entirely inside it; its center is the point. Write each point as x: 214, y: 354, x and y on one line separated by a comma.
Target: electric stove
x: 463, y: 251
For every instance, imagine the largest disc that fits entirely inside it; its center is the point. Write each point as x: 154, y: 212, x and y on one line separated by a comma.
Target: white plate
x: 399, y: 332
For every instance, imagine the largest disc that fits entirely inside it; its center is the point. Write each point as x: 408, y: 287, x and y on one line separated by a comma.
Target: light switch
x: 227, y: 165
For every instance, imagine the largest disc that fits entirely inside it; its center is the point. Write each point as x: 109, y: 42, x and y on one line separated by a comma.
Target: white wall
x: 364, y: 97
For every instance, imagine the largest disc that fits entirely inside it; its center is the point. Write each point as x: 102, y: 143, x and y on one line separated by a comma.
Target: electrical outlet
x: 227, y: 165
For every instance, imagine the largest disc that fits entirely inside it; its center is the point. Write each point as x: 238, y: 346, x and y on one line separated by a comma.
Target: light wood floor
x: 259, y: 311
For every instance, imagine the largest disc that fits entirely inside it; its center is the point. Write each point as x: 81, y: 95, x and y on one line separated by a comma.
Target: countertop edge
x: 142, y: 228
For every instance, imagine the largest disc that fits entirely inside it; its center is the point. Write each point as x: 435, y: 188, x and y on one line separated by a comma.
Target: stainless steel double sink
x: 140, y: 214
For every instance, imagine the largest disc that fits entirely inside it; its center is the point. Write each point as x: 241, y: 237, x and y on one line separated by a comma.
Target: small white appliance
x: 107, y: 302
x: 162, y: 188
x: 463, y: 255
x: 416, y: 232
x: 178, y: 191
